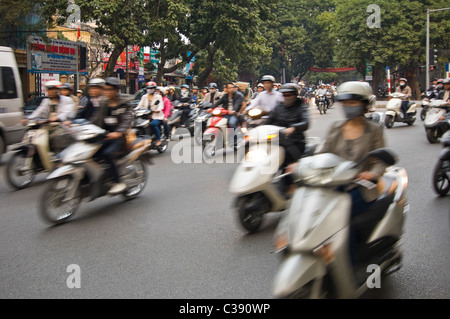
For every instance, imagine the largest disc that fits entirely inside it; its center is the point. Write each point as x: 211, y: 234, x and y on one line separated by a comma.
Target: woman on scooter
x: 154, y: 102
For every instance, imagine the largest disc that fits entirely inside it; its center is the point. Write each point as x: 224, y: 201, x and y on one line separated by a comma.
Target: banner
x: 332, y: 70
x: 56, y: 56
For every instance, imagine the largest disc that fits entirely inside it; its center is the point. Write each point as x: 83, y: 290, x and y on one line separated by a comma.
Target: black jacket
x: 291, y: 116
x: 238, y: 98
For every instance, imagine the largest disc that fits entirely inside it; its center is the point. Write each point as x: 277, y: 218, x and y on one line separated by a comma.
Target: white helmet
x: 354, y: 90
x: 161, y: 89
x: 53, y: 85
x: 96, y: 82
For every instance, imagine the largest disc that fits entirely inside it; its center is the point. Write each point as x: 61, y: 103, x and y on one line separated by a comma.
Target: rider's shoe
x: 117, y: 188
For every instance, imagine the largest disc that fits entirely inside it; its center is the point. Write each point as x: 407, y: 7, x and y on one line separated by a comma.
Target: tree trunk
x: 115, y: 54
x: 209, y: 68
x: 411, y: 70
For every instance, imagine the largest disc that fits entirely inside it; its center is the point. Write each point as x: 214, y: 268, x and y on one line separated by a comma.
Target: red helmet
x: 151, y: 85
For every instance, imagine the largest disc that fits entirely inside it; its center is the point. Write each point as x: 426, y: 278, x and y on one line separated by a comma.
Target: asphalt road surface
x: 180, y: 238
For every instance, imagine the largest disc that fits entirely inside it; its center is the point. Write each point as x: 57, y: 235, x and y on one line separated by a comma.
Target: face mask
x: 402, y: 85
x: 440, y: 86
x: 151, y: 91
x: 184, y: 93
x: 352, y: 112
x: 212, y: 90
x: 289, y: 101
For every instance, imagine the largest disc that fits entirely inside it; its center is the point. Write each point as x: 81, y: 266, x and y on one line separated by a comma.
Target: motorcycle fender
x: 295, y: 272
x: 445, y: 154
x: 65, y: 171
x: 392, y: 113
x: 210, y: 131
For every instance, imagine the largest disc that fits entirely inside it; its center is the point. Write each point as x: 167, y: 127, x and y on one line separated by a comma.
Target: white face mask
x: 151, y: 91
x: 184, y: 93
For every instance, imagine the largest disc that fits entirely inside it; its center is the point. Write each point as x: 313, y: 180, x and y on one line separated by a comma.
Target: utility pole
x: 428, y: 43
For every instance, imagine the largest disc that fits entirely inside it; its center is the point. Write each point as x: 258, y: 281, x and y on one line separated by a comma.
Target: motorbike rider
x: 213, y: 95
x: 54, y: 108
x: 353, y: 138
x: 196, y: 95
x: 154, y: 102
x: 172, y: 95
x: 405, y: 89
x: 115, y: 116
x: 234, y: 101
x: 167, y: 110
x: 66, y: 89
x: 268, y: 99
x: 95, y: 90
x: 322, y: 91
x: 186, y: 100
x: 445, y: 94
x: 292, y: 114
x: 83, y: 99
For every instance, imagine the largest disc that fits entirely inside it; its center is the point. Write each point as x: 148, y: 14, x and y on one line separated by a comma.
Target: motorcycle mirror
x: 383, y: 154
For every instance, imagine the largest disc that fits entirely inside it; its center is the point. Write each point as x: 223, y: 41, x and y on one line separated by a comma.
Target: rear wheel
x: 251, y: 210
x: 17, y: 175
x: 55, y: 208
x: 389, y: 121
x: 441, y: 177
x: 432, y: 135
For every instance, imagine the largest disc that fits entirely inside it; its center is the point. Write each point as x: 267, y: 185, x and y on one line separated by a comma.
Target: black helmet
x: 289, y: 88
x: 112, y: 81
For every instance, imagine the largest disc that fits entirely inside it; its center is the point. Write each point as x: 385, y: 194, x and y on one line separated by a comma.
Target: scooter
x: 441, y: 172
x: 425, y: 108
x: 256, y: 183
x: 144, y: 130
x: 435, y: 127
x: 394, y: 113
x: 201, y: 121
x: 218, y: 134
x: 174, y: 121
x: 321, y: 104
x: 313, y: 238
x: 33, y: 155
x: 82, y: 176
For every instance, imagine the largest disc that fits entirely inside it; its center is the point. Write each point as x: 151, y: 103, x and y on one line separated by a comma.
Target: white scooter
x: 435, y: 127
x: 256, y: 181
x: 395, y: 114
x: 314, y: 236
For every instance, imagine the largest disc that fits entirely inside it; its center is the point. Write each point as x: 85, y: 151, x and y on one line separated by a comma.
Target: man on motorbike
x: 292, y: 114
x: 322, y: 91
x: 213, y: 95
x: 444, y: 93
x: 95, y: 91
x: 405, y: 89
x: 233, y: 101
x: 66, y: 89
x: 115, y: 116
x: 196, y: 95
x: 268, y: 99
x: 186, y: 100
x: 172, y: 94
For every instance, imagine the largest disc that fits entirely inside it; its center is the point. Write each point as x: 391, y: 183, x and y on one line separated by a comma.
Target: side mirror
x: 383, y: 154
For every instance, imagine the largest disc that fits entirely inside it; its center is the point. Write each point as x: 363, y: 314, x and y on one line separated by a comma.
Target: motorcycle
x: 441, y: 172
x: 201, y: 121
x: 314, y: 236
x: 395, y: 114
x: 321, y: 104
x: 144, y: 130
x: 330, y: 98
x: 256, y: 183
x: 425, y: 108
x: 376, y: 117
x: 435, y: 127
x: 174, y: 121
x: 83, y: 176
x: 34, y: 154
x: 218, y: 134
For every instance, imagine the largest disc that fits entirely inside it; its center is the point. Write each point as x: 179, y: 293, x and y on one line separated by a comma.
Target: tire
x: 423, y: 114
x: 389, y: 121
x: 52, y: 209
x: 411, y: 123
x: 15, y: 177
x: 139, y: 171
x: 251, y: 220
x: 432, y: 135
x: 441, y: 177
x: 162, y: 148
x: 209, y: 148
x: 198, y: 137
x: 173, y: 131
x: 2, y: 146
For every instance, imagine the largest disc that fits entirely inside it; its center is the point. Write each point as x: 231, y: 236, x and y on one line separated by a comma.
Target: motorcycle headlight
x: 217, y: 112
x: 311, y: 176
x: 253, y: 113
x: 255, y: 155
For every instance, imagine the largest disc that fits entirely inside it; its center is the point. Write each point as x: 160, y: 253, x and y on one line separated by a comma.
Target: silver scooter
x: 313, y: 238
x: 256, y: 181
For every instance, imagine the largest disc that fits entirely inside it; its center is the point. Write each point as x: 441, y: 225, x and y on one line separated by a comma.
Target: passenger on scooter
x: 293, y: 115
x: 154, y: 102
x: 405, y: 89
x: 268, y: 99
x: 167, y: 110
x: 444, y: 94
x: 95, y: 91
x: 115, y: 116
x: 213, y: 95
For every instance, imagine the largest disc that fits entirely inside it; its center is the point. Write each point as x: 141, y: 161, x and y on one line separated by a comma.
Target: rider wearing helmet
x: 267, y: 100
x: 213, y: 95
x: 95, y: 92
x: 115, y: 116
x: 167, y: 110
x: 405, y: 89
x: 292, y: 114
x: 66, y: 89
x: 186, y: 100
x: 154, y: 102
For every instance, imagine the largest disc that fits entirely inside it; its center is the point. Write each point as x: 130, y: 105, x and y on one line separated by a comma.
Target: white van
x: 11, y: 100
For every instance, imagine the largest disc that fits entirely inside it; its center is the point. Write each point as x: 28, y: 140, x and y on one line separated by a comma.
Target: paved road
x: 180, y: 238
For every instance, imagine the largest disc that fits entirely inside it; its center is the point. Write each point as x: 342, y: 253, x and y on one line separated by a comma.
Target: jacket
x: 65, y: 109
x: 216, y: 97
x: 355, y: 150
x: 406, y: 90
x: 291, y: 116
x: 238, y: 98
x: 115, y: 119
x: 157, y: 104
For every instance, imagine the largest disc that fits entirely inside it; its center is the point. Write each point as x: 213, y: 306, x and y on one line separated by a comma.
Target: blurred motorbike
x: 435, y: 122
x: 441, y: 172
x: 143, y: 118
x: 83, y: 176
x: 201, y: 121
x: 314, y: 236
x: 256, y: 183
x: 321, y: 104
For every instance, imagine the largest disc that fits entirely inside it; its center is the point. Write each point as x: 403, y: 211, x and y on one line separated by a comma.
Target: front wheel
x: 55, y: 208
x: 137, y: 171
x: 423, y: 113
x: 251, y: 210
x: 432, y: 135
x: 389, y: 121
x: 18, y: 175
x: 441, y: 177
